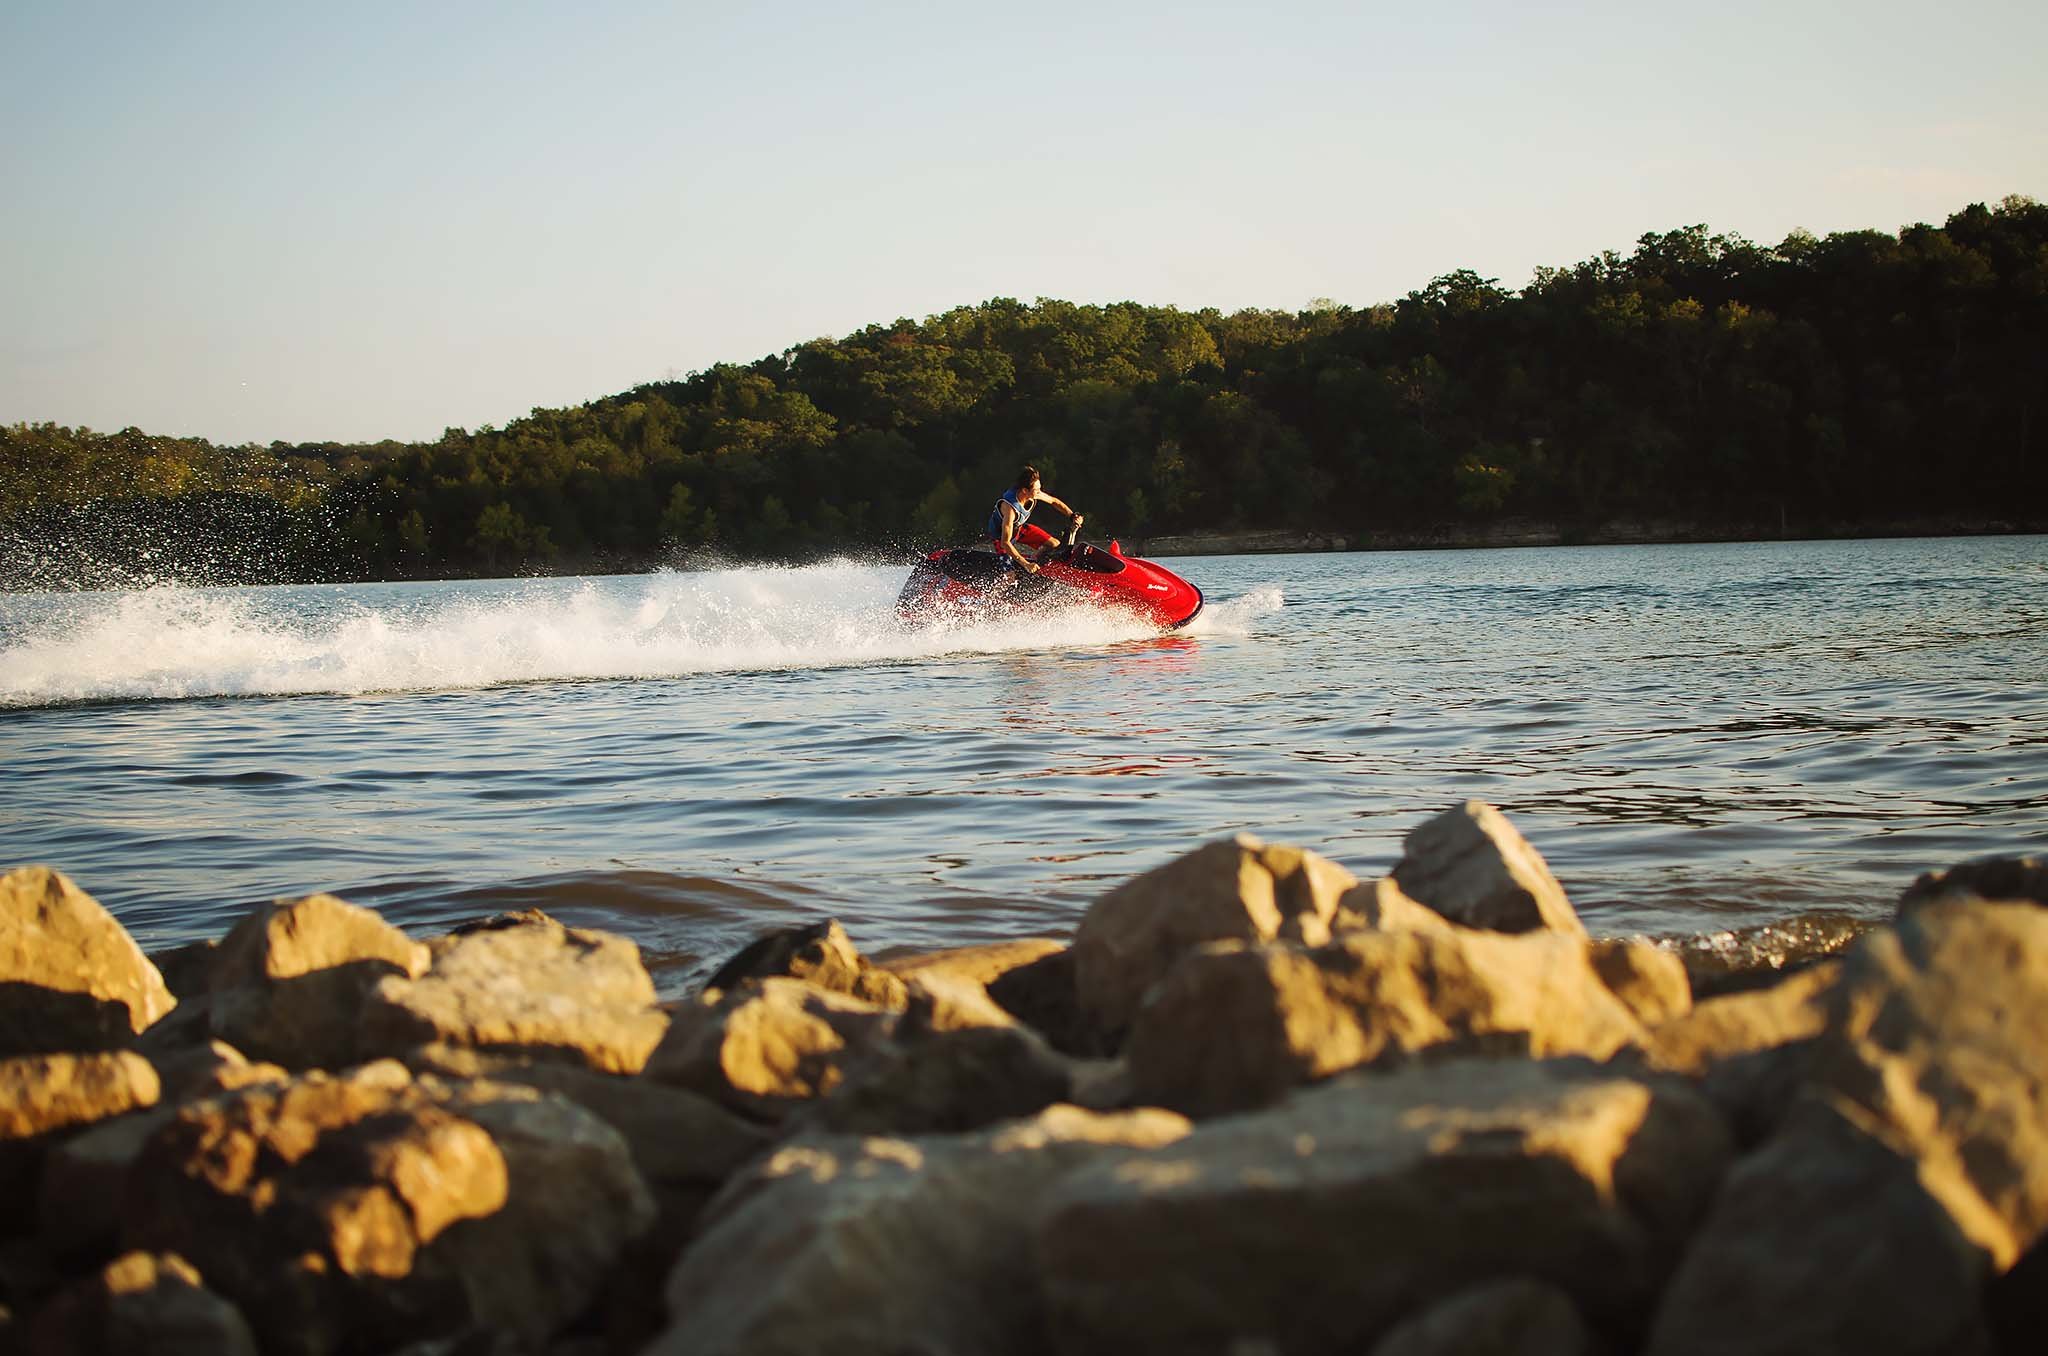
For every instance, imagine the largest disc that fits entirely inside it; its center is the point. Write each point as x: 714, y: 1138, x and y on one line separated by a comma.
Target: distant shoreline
x: 1530, y: 532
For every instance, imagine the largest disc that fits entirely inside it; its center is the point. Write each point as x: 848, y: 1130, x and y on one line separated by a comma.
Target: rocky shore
x: 1255, y: 1106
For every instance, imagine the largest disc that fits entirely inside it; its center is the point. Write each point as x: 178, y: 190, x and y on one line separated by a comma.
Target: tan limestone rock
x: 575, y: 1202
x: 1935, y: 1033
x: 198, y: 1071
x: 45, y: 1096
x: 1318, y: 1225
x: 294, y: 937
x: 1042, y: 995
x: 946, y: 1082
x: 140, y: 1304
x: 71, y: 978
x: 1380, y: 906
x: 1234, y: 1027
x: 85, y: 1178
x: 355, y: 1211
x: 937, y: 1000
x: 1723, y: 1028
x: 820, y: 954
x: 984, y: 964
x: 1470, y: 865
x: 766, y: 1048
x: 1650, y: 981
x: 873, y: 1247
x: 534, y: 986
x: 1752, y: 1050
x: 41, y: 1094
x: 678, y: 1139
x: 1824, y: 1240
x: 289, y: 981
x: 2005, y: 879
x: 1236, y: 889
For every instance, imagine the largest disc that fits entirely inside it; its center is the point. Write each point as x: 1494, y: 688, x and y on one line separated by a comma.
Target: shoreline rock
x: 1257, y: 1104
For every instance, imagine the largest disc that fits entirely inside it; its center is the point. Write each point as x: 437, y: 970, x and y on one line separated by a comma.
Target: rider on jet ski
x: 1008, y: 516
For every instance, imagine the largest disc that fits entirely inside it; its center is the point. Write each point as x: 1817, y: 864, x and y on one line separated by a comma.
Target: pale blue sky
x: 257, y: 221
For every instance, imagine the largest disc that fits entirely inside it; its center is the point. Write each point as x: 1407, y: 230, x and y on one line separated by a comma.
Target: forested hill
x: 1819, y: 385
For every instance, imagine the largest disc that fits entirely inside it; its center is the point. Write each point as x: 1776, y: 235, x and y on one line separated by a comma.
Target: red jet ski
x: 957, y: 579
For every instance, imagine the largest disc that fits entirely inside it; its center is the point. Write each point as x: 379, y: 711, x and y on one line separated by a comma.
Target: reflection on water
x: 1750, y: 743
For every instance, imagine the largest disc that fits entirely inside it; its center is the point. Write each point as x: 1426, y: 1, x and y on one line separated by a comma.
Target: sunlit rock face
x: 289, y: 982
x: 340, y: 1212
x: 886, y: 1245
x: 71, y: 978
x: 1472, y: 866
x: 768, y: 1047
x: 43, y: 1099
x: 1317, y: 1225
x: 1233, y: 1027
x: 528, y: 984
x: 1237, y: 889
x: 819, y: 954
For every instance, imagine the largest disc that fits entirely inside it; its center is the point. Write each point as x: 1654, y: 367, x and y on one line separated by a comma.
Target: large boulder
x: 1923, y: 1124
x: 42, y: 1094
x: 1935, y: 1037
x: 935, y: 1000
x: 1043, y: 995
x: 875, y: 1247
x: 1470, y: 865
x: 816, y: 953
x: 1237, y: 889
x: 1320, y: 1224
x: 575, y: 1204
x: 984, y: 963
x: 71, y: 978
x: 532, y: 986
x: 1381, y: 906
x: 1825, y: 1241
x: 684, y: 1145
x: 1650, y: 981
x: 292, y: 937
x: 1234, y: 1027
x: 288, y: 982
x: 348, y: 1212
x: 1750, y: 1051
x: 45, y: 1096
x: 153, y: 1303
x: 2004, y: 879
x: 313, y: 1205
x: 192, y: 1072
x: 769, y: 1047
x: 85, y: 1176
x: 946, y: 1082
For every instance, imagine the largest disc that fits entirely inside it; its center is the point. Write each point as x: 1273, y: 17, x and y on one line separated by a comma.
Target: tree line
x: 1820, y: 385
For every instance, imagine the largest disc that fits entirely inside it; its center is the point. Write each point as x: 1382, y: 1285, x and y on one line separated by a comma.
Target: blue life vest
x: 995, y: 515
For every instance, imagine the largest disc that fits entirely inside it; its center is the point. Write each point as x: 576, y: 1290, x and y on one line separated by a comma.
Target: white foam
x: 1235, y: 616
x: 170, y: 642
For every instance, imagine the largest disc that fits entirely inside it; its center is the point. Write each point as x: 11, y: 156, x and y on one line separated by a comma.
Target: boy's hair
x: 1025, y: 477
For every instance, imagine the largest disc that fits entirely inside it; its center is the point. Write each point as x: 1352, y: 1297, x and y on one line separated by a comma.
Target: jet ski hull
x: 965, y: 579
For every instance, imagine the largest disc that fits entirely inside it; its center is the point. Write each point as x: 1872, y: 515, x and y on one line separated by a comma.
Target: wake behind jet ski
x: 955, y: 580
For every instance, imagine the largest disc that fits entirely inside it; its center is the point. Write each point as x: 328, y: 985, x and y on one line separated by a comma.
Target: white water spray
x: 170, y: 642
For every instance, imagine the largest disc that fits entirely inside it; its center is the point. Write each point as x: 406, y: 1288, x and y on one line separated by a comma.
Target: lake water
x: 1742, y: 749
